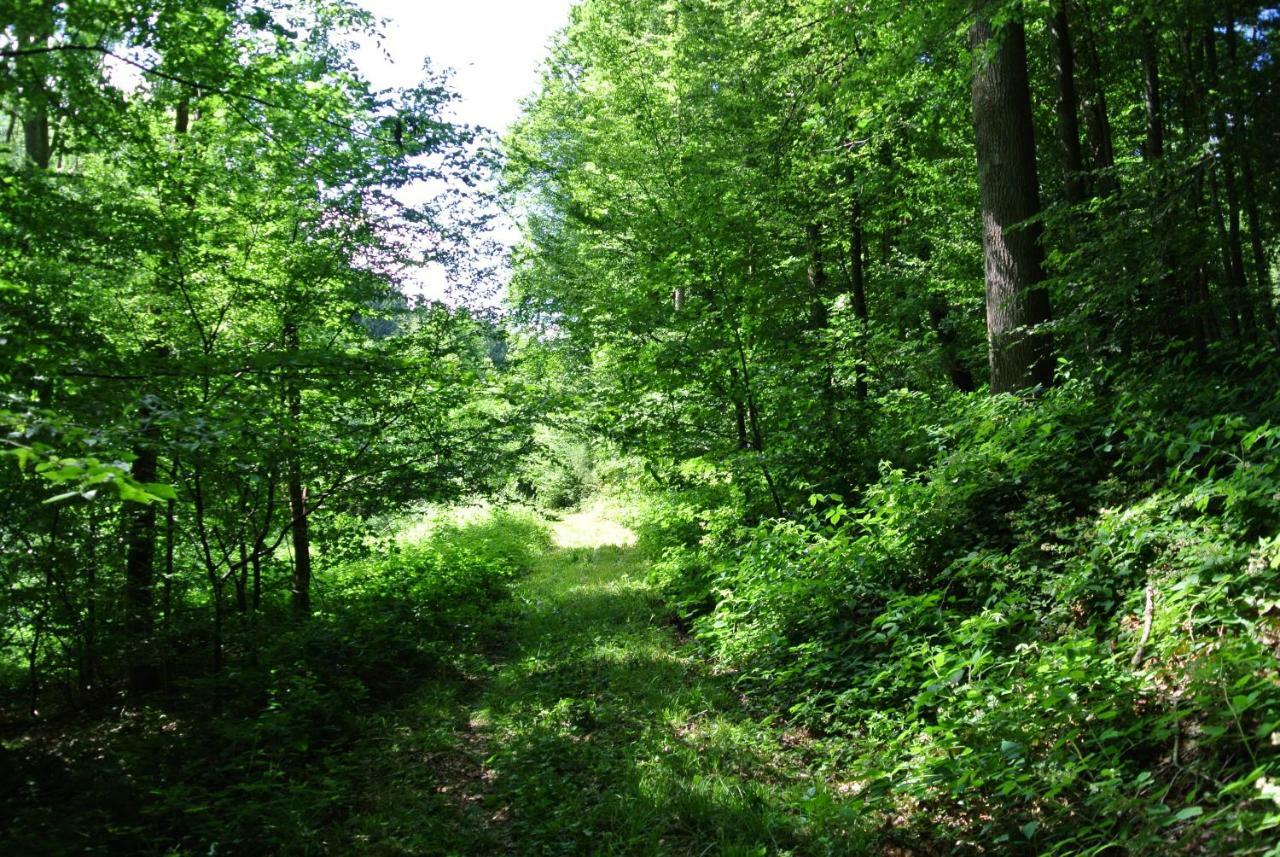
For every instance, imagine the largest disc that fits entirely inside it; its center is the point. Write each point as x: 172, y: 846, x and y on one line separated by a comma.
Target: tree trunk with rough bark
x: 1020, y: 355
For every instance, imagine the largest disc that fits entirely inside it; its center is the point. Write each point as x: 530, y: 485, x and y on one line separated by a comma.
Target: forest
x: 869, y: 445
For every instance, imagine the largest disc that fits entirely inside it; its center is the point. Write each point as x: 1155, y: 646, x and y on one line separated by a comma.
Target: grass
x: 594, y: 732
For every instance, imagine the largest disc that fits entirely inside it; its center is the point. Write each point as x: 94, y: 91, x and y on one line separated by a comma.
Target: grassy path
x: 598, y: 733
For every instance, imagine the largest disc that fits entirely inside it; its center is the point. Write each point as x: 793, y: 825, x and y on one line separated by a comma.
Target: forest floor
x: 594, y: 730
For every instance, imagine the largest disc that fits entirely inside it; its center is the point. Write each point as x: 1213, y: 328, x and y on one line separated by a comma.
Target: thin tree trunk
x: 858, y: 283
x: 259, y: 543
x: 939, y: 318
x: 91, y: 617
x: 33, y: 664
x: 753, y: 422
x: 1153, y: 152
x: 739, y: 410
x: 297, y: 492
x: 1168, y: 314
x: 1096, y: 118
x: 816, y: 275
x: 1233, y: 250
x: 242, y: 580
x: 1234, y: 296
x: 256, y: 559
x: 1260, y: 263
x: 1020, y: 356
x: 170, y: 545
x: 1240, y: 147
x: 1068, y: 103
x: 144, y: 672
x: 217, y: 624
x: 1201, y: 304
x: 140, y: 537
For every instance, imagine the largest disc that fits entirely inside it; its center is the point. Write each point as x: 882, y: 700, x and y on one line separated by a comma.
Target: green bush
x: 968, y: 631
x: 560, y: 473
x: 266, y: 755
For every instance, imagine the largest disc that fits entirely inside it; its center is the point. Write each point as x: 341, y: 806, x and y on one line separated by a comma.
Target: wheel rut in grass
x: 606, y: 734
x: 598, y: 731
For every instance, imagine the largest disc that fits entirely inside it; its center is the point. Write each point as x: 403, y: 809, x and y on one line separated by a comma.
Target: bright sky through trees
x: 494, y: 48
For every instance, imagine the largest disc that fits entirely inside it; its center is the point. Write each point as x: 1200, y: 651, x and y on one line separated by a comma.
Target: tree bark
x: 1153, y: 152
x: 1201, y: 305
x: 1234, y: 248
x: 297, y: 492
x: 739, y: 409
x: 1260, y: 263
x: 241, y: 579
x: 1096, y: 118
x: 816, y: 277
x: 1020, y: 356
x: 1068, y: 103
x: 1240, y: 147
x: 140, y: 538
x: 33, y: 90
x: 858, y: 285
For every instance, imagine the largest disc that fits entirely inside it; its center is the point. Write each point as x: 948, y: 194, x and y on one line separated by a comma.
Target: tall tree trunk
x: 140, y: 538
x: 858, y: 284
x: 1170, y: 294
x: 1260, y: 263
x: 753, y: 422
x: 739, y: 409
x: 1233, y: 250
x: 33, y: 90
x: 140, y: 535
x: 170, y: 545
x: 1201, y: 305
x: 301, y: 537
x: 216, y: 585
x: 1068, y: 103
x: 816, y: 275
x: 1096, y: 118
x: 1017, y: 302
x: 241, y: 579
x: 256, y: 559
x: 299, y: 528
x: 1149, y: 47
x: 1240, y: 149
x: 91, y: 608
x: 1235, y: 292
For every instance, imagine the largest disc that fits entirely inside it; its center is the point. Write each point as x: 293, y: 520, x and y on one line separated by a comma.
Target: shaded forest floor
x: 593, y: 731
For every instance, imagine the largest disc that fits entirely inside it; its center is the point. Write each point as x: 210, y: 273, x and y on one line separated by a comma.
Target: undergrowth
x: 971, y: 637
x: 270, y: 754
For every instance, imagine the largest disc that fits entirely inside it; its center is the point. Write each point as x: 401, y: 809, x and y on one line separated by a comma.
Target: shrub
x: 972, y: 627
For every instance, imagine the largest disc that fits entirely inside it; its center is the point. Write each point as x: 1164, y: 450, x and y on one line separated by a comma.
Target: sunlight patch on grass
x: 420, y: 526
x: 593, y: 527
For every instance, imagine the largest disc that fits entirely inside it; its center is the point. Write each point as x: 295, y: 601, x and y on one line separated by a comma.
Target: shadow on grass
x: 608, y: 738
x: 587, y: 730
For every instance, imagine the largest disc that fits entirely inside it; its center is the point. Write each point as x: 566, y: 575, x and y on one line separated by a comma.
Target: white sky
x: 494, y: 47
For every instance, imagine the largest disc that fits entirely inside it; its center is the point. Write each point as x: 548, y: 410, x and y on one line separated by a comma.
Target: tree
x: 1017, y: 302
